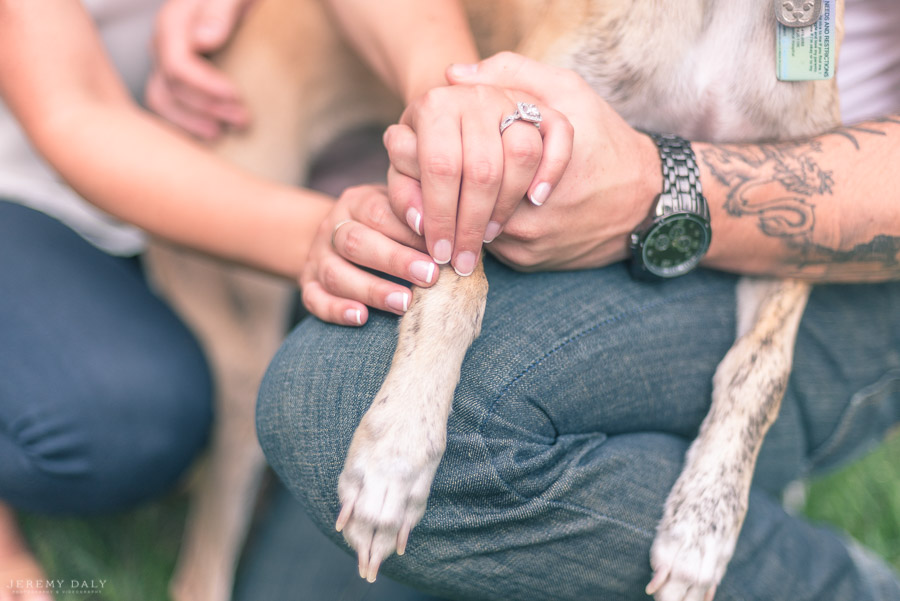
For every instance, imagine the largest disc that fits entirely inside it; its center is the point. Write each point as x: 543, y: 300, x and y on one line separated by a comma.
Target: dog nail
x: 353, y: 316
x: 492, y: 231
x: 398, y: 301
x: 414, y: 219
x: 540, y: 194
x: 422, y: 270
x: 659, y: 578
x: 465, y: 263
x: 442, y: 250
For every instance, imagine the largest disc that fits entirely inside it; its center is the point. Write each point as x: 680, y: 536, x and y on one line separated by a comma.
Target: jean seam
x: 537, y: 362
x: 856, y: 403
x: 576, y: 336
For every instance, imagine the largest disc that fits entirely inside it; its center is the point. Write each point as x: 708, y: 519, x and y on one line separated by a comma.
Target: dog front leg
x: 706, y: 508
x: 396, y: 449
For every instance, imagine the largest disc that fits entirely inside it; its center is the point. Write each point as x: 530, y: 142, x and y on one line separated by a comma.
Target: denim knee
x: 84, y: 454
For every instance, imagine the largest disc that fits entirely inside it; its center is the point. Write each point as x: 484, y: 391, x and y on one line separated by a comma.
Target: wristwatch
x: 676, y: 234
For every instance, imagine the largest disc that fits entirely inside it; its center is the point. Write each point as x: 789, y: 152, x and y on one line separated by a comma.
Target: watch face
x: 675, y: 244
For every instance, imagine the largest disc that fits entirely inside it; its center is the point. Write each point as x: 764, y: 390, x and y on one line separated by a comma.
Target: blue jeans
x: 104, y: 394
x: 569, y: 426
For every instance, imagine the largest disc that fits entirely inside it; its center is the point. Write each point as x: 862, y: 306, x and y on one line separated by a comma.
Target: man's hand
x: 185, y: 87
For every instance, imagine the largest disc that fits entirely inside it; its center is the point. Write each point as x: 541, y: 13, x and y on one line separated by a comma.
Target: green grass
x: 135, y: 552
x: 864, y: 500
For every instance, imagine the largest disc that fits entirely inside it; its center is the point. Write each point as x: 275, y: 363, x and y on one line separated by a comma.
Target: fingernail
x: 398, y: 301
x: 353, y: 316
x: 492, y: 231
x: 442, y: 249
x: 414, y: 219
x: 422, y: 270
x: 463, y: 70
x: 540, y: 194
x: 465, y: 263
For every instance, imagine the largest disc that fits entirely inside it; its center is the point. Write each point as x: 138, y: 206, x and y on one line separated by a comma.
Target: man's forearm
x: 825, y: 209
x: 409, y: 43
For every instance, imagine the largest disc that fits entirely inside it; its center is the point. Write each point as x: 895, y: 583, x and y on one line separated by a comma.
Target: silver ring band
x: 526, y: 112
x: 337, y: 226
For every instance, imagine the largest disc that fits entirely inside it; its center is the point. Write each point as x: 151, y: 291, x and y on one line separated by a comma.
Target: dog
x: 703, y: 71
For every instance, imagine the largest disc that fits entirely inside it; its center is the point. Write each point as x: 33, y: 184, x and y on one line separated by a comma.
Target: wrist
x: 675, y: 233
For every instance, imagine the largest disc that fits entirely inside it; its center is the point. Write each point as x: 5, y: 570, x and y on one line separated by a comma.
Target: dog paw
x: 694, y: 543
x: 385, y: 483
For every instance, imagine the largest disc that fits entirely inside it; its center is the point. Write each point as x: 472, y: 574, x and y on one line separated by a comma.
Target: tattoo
x: 793, y: 179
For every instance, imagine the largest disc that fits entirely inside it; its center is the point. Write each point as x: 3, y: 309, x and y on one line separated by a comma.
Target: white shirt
x: 126, y: 27
x: 868, y: 72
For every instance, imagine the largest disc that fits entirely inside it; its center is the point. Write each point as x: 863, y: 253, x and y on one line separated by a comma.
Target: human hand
x: 472, y: 178
x: 362, y: 231
x: 185, y: 87
x: 609, y: 185
x: 606, y: 192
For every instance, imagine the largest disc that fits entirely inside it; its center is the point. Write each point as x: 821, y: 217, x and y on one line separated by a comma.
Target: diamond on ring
x: 525, y: 111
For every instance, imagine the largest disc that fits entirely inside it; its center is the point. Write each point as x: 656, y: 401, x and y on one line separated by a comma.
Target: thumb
x: 507, y: 70
x: 215, y: 22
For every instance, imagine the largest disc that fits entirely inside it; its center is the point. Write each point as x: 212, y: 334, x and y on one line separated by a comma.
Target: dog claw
x: 373, y: 571
x: 403, y: 538
x: 344, y: 516
x: 659, y: 579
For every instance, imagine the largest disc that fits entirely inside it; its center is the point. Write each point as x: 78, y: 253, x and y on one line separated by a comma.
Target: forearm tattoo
x: 792, y: 170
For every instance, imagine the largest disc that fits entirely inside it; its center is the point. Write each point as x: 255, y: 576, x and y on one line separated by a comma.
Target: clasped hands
x: 564, y: 196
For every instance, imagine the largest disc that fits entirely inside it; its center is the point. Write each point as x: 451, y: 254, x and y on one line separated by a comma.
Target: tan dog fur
x: 703, y: 70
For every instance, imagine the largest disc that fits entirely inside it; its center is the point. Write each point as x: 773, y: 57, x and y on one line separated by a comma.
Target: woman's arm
x: 409, y: 43
x: 57, y: 80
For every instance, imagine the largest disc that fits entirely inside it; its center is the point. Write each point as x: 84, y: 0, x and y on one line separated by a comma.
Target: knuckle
x: 434, y: 99
x: 329, y: 277
x: 522, y: 230
x: 522, y: 256
x: 482, y: 173
x: 439, y: 221
x: 441, y: 166
x: 566, y: 127
x: 378, y: 212
x: 353, y: 241
x: 466, y: 233
x: 524, y: 151
x: 556, y: 164
x: 308, y: 297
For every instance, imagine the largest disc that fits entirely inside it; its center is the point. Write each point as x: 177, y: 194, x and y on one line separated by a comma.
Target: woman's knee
x: 100, y: 448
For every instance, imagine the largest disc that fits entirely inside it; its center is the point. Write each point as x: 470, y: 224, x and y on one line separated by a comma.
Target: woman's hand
x: 185, y: 87
x: 472, y: 178
x: 606, y: 192
x: 362, y: 231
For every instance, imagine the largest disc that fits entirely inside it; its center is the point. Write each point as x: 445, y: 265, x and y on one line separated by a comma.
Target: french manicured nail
x: 414, y: 219
x: 465, y: 263
x: 422, y: 270
x: 464, y: 69
x: 398, y: 301
x: 353, y: 316
x: 442, y: 249
x: 492, y: 231
x: 540, y: 194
